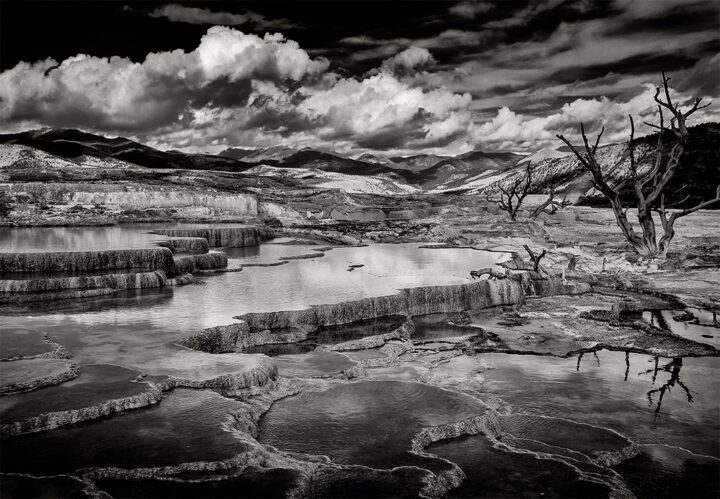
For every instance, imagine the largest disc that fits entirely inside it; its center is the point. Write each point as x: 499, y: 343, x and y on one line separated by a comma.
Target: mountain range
x: 471, y: 172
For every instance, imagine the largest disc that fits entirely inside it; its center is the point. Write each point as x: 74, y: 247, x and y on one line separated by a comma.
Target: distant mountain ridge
x: 71, y: 143
x: 696, y: 178
x: 470, y: 172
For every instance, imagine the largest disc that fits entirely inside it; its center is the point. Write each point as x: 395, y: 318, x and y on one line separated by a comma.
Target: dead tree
x: 649, y: 187
x: 514, y: 193
x: 535, y: 259
x: 490, y: 272
x: 550, y: 206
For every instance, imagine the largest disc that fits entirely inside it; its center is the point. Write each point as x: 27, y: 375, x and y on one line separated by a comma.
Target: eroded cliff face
x: 230, y: 237
x: 476, y: 295
x: 191, y: 245
x: 413, y: 301
x: 290, y: 326
x: 133, y: 280
x: 184, y: 264
x: 138, y: 196
x: 150, y: 259
x: 38, y: 276
x: 239, y: 384
x: 219, y: 339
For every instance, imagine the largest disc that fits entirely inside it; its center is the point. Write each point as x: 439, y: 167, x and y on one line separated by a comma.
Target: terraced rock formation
x: 231, y: 237
x: 48, y: 276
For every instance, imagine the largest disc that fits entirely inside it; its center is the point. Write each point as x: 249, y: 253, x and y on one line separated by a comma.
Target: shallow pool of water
x: 132, y: 328
x: 603, y: 389
x: 676, y: 473
x: 126, y: 236
x: 251, y: 483
x: 315, y: 363
x: 369, y: 422
x: 570, y: 407
x: 670, y: 404
x: 701, y: 333
x: 185, y: 426
x: 495, y: 473
x: 96, y: 383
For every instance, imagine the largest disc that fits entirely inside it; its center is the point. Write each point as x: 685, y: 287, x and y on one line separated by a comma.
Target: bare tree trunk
x: 512, y: 196
x: 535, y: 259
x: 650, y: 187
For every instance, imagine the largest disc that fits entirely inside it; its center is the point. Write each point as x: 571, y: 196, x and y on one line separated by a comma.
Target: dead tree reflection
x: 674, y: 367
x: 627, y: 365
x: 580, y: 357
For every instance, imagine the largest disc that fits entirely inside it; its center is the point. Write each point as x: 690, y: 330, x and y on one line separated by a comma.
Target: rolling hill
x: 472, y: 172
x: 697, y: 177
x: 70, y: 143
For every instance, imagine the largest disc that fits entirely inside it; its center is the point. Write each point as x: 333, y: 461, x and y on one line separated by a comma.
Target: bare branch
x: 704, y: 204
x: 631, y: 145
x: 696, y: 106
x: 678, y: 203
x: 668, y: 102
x: 514, y: 193
x: 650, y: 187
x: 535, y: 258
x: 597, y: 140
x: 591, y: 164
x: 654, y: 126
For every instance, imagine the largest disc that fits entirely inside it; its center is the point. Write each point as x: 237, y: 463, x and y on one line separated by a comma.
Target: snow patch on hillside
x: 332, y: 180
x: 17, y: 156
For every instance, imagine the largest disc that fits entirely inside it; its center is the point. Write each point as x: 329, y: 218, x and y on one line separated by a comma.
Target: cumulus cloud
x: 510, y: 130
x: 195, y: 15
x: 117, y: 93
x: 237, y: 89
x: 382, y: 104
x: 409, y: 60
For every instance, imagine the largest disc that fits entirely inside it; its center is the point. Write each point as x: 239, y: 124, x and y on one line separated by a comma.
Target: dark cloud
x: 702, y: 79
x: 667, y: 20
x: 388, y: 138
x: 471, y: 9
x: 641, y: 64
x: 196, y: 15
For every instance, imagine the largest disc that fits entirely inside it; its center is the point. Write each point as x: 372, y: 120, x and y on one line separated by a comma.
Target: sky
x: 384, y: 77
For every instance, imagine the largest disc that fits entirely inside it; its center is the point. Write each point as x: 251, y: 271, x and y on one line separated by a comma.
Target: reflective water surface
x: 185, y: 426
x: 607, y: 389
x: 703, y: 332
x: 570, y: 409
x: 126, y: 236
x: 671, y: 407
x: 368, y: 422
x: 136, y: 327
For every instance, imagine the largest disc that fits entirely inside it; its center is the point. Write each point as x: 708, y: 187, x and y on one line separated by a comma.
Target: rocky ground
x: 584, y: 251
